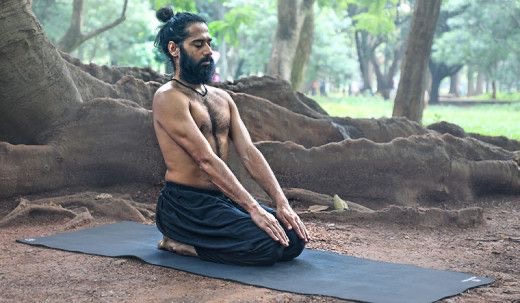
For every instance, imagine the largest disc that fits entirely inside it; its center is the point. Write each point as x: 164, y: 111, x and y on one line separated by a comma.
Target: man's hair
x: 174, y: 28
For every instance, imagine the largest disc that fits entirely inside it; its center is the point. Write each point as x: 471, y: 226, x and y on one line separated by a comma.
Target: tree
x: 484, y: 35
x: 127, y: 44
x: 373, y: 23
x: 74, y: 36
x: 410, y: 92
x: 65, y: 124
x: 304, y: 48
x: 291, y: 17
x: 441, y: 63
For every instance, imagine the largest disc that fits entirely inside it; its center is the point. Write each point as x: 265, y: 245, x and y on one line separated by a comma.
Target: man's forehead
x: 197, y: 31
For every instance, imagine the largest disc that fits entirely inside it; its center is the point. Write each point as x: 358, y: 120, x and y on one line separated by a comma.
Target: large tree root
x: 78, y: 209
x: 425, y: 217
x: 444, y: 127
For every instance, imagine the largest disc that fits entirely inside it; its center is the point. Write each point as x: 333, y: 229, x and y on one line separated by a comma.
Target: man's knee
x: 269, y: 253
x: 296, y: 247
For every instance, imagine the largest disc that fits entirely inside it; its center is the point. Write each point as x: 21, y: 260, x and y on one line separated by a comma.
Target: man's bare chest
x: 212, y: 116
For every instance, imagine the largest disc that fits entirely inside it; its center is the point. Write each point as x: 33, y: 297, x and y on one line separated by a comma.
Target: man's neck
x: 195, y: 86
x: 200, y: 89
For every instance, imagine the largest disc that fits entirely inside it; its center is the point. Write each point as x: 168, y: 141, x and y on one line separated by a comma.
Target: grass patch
x: 492, y: 120
x: 511, y: 97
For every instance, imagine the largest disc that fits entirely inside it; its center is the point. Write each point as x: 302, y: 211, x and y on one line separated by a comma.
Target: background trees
x: 349, y: 46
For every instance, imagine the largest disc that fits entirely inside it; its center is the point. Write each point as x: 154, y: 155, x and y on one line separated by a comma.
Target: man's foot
x: 176, y: 247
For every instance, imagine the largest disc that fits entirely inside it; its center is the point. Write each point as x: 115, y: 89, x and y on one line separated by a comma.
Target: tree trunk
x: 479, y: 90
x: 493, y: 89
x: 36, y: 77
x: 434, y: 93
x: 304, y: 49
x: 410, y: 93
x: 439, y: 71
x: 385, y: 80
x: 454, y: 85
x: 365, y: 46
x: 471, y: 85
x: 291, y: 14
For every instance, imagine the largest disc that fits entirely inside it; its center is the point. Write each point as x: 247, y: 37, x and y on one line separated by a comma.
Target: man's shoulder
x: 168, y: 95
x: 219, y: 93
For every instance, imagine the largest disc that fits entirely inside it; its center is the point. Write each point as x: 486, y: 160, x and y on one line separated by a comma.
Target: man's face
x: 195, y: 61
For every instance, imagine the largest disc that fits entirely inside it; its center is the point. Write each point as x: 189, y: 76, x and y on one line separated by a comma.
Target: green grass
x: 492, y: 120
x: 512, y: 97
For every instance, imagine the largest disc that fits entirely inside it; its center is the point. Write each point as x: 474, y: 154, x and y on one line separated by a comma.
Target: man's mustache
x: 206, y: 60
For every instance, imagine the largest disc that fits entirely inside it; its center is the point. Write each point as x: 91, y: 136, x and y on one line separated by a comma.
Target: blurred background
x: 348, y: 57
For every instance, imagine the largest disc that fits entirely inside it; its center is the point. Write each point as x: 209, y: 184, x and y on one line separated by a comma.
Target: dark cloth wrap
x: 219, y: 229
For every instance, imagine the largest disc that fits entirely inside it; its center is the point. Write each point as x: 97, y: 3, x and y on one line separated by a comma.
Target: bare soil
x: 33, y: 274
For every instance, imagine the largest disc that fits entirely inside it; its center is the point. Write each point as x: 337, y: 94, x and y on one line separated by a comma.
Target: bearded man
x: 203, y: 210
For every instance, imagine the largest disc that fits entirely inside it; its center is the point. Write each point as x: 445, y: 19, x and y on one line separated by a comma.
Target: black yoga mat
x: 313, y: 273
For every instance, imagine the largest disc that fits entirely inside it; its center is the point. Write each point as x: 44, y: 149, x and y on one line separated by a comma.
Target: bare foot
x: 176, y: 247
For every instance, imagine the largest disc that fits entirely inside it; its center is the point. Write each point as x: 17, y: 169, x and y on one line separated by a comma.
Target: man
x: 203, y: 210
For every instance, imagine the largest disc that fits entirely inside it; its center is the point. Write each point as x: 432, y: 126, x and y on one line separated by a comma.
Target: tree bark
x: 479, y: 90
x: 34, y: 81
x: 410, y: 93
x: 291, y: 15
x: 304, y: 48
x: 454, y: 85
x: 471, y: 84
x: 439, y: 71
x: 385, y: 81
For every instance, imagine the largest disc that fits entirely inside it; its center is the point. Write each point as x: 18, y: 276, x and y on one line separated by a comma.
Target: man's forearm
x: 224, y: 179
x: 261, y: 172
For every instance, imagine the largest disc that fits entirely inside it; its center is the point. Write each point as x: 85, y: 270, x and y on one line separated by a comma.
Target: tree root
x: 425, y: 217
x: 309, y: 198
x: 33, y: 214
x: 77, y: 210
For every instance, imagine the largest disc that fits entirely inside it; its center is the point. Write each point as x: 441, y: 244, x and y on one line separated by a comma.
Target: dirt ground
x: 33, y: 274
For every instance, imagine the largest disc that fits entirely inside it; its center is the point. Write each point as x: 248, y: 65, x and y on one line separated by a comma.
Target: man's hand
x: 292, y: 221
x: 270, y: 225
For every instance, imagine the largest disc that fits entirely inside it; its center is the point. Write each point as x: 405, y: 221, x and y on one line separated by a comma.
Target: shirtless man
x: 203, y: 210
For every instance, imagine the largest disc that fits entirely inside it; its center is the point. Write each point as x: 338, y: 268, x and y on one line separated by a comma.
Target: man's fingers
x: 275, y: 231
x: 300, y: 229
x: 285, y: 222
x: 271, y: 233
x: 304, y: 231
x: 282, y: 233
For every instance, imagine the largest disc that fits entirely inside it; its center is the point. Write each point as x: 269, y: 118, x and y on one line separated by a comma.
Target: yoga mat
x: 314, y: 272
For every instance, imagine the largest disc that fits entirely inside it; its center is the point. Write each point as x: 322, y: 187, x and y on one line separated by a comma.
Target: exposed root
x: 34, y: 214
x: 425, y: 217
x: 77, y: 210
x: 310, y: 198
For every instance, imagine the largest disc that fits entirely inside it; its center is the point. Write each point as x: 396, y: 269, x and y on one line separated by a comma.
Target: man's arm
x: 261, y: 172
x: 171, y: 112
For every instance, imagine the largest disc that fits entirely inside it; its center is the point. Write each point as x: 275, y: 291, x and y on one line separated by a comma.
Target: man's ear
x: 174, y: 49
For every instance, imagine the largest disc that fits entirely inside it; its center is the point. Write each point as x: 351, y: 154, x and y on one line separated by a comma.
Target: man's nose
x: 207, y: 50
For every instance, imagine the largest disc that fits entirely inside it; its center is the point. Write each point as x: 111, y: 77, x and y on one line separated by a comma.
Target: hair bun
x: 164, y: 14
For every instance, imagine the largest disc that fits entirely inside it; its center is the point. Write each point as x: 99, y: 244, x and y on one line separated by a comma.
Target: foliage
x: 332, y: 59
x: 229, y: 28
x: 177, y: 5
x: 484, y: 34
x: 492, y: 120
x: 129, y: 44
x: 378, y: 18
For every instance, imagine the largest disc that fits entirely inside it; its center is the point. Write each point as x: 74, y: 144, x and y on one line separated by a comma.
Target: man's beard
x: 194, y: 72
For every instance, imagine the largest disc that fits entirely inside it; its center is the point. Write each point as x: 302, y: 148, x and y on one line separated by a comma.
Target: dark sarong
x: 219, y: 229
